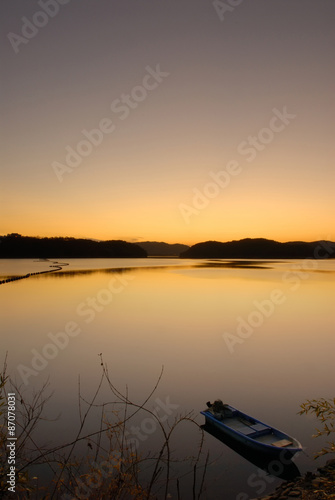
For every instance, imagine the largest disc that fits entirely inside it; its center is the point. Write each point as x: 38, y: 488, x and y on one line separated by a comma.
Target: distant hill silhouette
x: 16, y: 246
x: 260, y: 248
x: 161, y: 249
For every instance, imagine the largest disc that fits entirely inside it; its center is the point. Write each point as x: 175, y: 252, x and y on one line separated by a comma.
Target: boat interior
x: 253, y: 429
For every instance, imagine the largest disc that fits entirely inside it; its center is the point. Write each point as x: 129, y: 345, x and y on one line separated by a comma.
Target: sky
x: 178, y: 121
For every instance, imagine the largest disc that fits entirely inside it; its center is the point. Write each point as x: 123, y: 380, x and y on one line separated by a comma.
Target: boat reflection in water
x: 281, y: 467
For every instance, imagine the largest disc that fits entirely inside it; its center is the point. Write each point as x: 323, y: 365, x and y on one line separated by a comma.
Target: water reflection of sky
x: 176, y: 317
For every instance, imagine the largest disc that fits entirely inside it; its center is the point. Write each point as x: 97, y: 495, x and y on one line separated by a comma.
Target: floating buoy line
x: 56, y: 265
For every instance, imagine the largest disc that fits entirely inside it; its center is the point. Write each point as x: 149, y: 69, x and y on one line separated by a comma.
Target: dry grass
x: 112, y: 467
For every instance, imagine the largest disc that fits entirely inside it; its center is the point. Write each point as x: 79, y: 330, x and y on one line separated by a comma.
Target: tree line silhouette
x: 260, y: 248
x: 16, y: 246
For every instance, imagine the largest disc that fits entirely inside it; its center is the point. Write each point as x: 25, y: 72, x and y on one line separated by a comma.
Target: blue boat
x: 243, y: 428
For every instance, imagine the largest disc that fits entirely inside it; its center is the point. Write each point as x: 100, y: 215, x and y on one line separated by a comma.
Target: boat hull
x: 281, y: 467
x: 254, y: 434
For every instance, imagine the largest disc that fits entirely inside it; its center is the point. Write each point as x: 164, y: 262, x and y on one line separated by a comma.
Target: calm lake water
x: 256, y: 334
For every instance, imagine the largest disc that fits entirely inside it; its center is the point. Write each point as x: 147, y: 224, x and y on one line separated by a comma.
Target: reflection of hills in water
x: 68, y: 273
x: 210, y: 264
x: 110, y: 270
x: 56, y: 268
x: 85, y: 272
x: 237, y: 264
x: 282, y: 468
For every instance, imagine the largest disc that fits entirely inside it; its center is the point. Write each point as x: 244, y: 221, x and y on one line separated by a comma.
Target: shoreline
x: 318, y: 485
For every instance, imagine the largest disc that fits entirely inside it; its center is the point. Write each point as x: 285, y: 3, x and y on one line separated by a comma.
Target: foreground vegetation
x: 318, y: 485
x: 112, y: 466
x: 324, y: 410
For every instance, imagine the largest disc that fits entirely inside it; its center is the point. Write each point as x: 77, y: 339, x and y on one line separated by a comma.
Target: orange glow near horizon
x: 247, y: 208
x: 164, y: 173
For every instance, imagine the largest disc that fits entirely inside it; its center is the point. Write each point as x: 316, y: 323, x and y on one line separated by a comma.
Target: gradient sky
x: 225, y: 70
